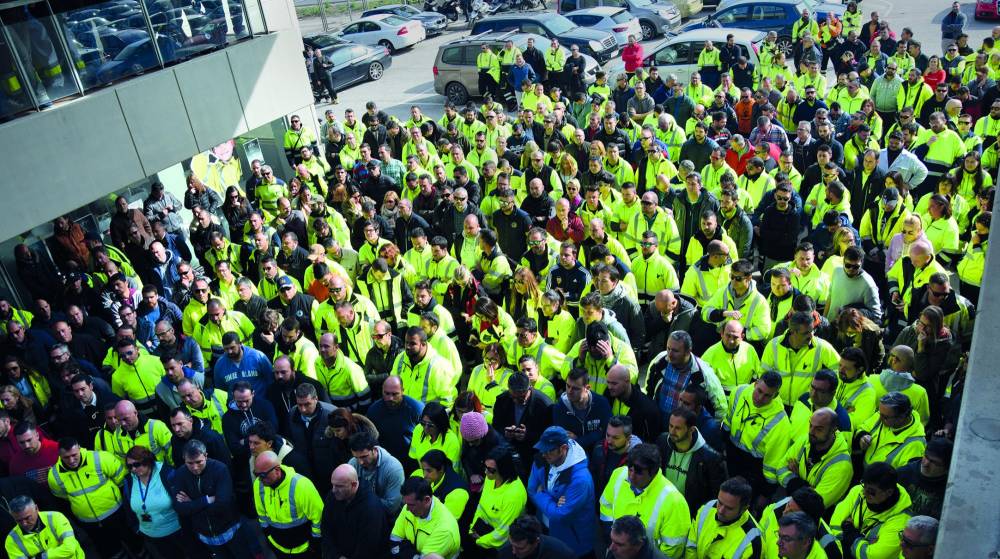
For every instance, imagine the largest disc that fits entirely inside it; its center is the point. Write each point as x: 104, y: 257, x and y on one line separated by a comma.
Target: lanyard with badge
x: 145, y: 516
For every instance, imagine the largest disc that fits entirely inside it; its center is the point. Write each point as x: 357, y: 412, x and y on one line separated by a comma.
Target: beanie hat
x: 473, y: 426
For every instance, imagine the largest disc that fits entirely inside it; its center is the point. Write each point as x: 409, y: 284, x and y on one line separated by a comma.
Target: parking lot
x: 410, y: 80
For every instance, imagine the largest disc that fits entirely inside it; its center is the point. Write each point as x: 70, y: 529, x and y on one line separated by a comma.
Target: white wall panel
x: 55, y: 161
x: 208, y: 90
x: 157, y: 119
x: 270, y: 76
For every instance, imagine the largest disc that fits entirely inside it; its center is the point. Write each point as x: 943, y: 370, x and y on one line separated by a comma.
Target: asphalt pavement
x: 410, y: 80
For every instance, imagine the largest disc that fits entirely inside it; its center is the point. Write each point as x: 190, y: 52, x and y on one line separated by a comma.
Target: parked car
x: 455, y: 73
x: 599, y: 44
x: 655, y: 17
x: 110, y: 44
x: 987, y: 9
x: 324, y: 41
x: 769, y: 15
x: 434, y: 23
x: 137, y: 58
x: 617, y: 21
x: 390, y: 31
x: 353, y: 63
x: 678, y: 55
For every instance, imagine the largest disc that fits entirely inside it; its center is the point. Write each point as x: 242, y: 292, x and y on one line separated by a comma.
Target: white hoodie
x: 574, y: 456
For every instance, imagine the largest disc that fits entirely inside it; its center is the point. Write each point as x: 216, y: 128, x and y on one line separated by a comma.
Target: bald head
x: 902, y: 358
x: 619, y: 373
x: 344, y: 482
x: 825, y: 417
x: 265, y: 461
x: 393, y: 382
x: 124, y: 407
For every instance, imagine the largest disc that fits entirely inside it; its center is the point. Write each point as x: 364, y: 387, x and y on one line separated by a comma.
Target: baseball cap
x: 551, y: 439
x: 890, y: 195
x: 284, y: 281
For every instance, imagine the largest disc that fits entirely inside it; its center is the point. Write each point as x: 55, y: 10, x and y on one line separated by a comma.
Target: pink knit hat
x: 473, y: 426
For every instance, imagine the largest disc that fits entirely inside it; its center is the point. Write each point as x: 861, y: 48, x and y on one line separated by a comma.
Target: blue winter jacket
x: 573, y: 522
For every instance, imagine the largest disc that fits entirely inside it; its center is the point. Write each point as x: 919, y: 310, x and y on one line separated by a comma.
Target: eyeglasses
x: 376, y: 335
x: 906, y: 542
x: 133, y: 465
x: 647, y: 244
x: 937, y: 294
x: 264, y: 474
x: 783, y: 198
x: 740, y: 278
x: 849, y: 266
x: 489, y: 470
x: 457, y: 199
x: 427, y: 424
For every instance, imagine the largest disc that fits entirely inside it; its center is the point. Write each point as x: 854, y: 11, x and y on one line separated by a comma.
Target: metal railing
x: 50, y: 52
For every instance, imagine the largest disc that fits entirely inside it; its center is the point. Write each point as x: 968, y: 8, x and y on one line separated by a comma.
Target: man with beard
x: 381, y: 356
x: 187, y: 428
x: 821, y: 459
x: 925, y: 479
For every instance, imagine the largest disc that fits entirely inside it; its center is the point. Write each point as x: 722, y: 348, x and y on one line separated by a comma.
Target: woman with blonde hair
x: 842, y: 238
x: 529, y: 150
x: 489, y: 379
x: 555, y: 323
x: 568, y: 169
x: 854, y: 329
x: 525, y: 297
x: 18, y: 407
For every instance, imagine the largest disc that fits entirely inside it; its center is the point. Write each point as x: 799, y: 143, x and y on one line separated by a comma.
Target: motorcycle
x: 447, y: 8
x: 481, y: 9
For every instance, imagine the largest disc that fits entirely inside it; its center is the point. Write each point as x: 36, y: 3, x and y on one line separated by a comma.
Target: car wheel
x: 388, y: 46
x: 648, y: 30
x: 784, y: 45
x: 375, y: 71
x: 456, y: 93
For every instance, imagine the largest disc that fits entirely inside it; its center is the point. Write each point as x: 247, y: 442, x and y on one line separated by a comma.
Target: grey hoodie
x: 609, y: 319
x: 574, y: 456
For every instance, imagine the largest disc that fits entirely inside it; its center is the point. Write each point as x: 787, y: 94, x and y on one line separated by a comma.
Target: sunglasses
x: 848, y: 266
x: 264, y: 474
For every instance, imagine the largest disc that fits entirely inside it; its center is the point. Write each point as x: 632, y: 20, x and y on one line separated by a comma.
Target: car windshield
x: 394, y: 21
x: 132, y: 49
x: 559, y: 24
x: 323, y: 41
x: 407, y: 10
x: 622, y: 17
x: 642, y: 3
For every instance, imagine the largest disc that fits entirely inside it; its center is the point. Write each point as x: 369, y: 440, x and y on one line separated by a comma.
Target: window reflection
x: 46, y: 56
x: 35, y: 44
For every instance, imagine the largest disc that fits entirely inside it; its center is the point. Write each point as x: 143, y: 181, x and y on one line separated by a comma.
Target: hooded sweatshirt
x: 676, y: 469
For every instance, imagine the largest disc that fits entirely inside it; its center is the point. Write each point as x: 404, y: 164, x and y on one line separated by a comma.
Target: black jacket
x: 404, y: 227
x: 512, y: 231
x: 473, y: 457
x: 536, y: 418
x: 213, y: 441
x: 645, y: 415
x: 313, y: 442
x: 548, y: 548
x: 300, y: 308
x: 779, y: 233
x: 354, y: 529
x: 706, y: 471
x: 208, y: 519
x: 282, y: 397
x: 602, y: 462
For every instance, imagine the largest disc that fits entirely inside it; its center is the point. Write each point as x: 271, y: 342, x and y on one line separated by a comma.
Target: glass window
x: 198, y: 25
x: 394, y: 21
x: 341, y: 56
x: 36, y: 42
x: 739, y: 13
x: 568, y: 5
x: 352, y: 28
x: 677, y: 53
x: 256, y: 17
x: 13, y: 95
x: 370, y: 27
x: 559, y: 24
x: 764, y: 13
x: 622, y: 17
x: 590, y: 3
x: 534, y: 28
x: 452, y: 55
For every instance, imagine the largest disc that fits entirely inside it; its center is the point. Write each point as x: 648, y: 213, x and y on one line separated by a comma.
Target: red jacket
x: 738, y: 162
x: 632, y: 55
x: 573, y: 233
x: 38, y: 464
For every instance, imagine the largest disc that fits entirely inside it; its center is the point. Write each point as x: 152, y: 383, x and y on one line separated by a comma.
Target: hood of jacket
x: 698, y: 442
x: 612, y: 298
x: 895, y: 382
x: 574, y: 456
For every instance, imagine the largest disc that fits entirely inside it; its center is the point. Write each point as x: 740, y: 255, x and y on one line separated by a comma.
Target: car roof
x: 374, y: 17
x: 493, y: 37
x: 715, y: 34
x: 537, y: 16
x: 606, y: 11
x: 740, y: 2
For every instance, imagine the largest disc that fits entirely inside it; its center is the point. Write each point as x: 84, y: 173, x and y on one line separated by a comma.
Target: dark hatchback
x: 599, y: 44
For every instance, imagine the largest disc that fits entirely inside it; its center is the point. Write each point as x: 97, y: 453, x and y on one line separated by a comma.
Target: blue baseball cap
x: 551, y: 439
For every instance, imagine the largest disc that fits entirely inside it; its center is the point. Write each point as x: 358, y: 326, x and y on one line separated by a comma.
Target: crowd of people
x: 720, y: 319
